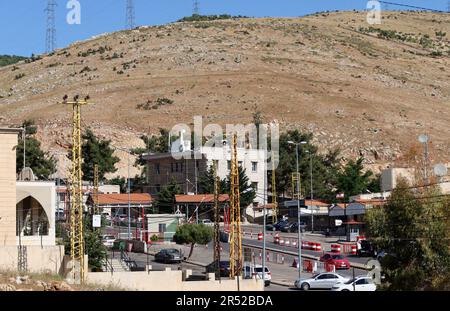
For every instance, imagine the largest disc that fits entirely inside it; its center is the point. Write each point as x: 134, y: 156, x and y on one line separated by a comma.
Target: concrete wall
x: 8, y: 141
x: 167, y: 281
x: 38, y: 259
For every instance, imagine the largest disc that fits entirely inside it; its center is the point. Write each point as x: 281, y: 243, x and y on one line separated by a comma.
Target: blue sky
x: 23, y: 22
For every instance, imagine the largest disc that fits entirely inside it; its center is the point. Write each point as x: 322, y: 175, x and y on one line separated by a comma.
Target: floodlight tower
x: 50, y: 40
x: 130, y: 14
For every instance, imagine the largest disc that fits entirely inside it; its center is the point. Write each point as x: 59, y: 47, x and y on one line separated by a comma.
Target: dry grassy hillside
x: 369, y: 91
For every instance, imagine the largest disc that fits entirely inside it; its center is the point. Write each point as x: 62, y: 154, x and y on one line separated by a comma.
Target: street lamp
x: 298, y: 211
x: 311, y: 188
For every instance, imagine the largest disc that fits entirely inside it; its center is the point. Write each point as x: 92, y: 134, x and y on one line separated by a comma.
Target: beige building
x: 391, y: 176
x: 8, y: 143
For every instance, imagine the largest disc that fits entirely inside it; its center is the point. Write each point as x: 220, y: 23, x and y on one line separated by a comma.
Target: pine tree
x: 96, y: 151
x: 166, y: 197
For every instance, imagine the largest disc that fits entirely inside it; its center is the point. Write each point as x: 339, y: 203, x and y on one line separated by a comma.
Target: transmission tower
x: 448, y: 6
x: 50, y: 40
x: 76, y: 202
x: 216, y: 222
x: 196, y: 10
x: 130, y: 14
x: 235, y: 216
x: 274, y: 192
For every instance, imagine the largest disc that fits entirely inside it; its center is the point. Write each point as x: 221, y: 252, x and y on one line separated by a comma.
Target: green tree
x: 325, y: 167
x: 42, y: 164
x: 352, y: 180
x: 166, y: 197
x: 206, y: 183
x: 247, y: 193
x: 95, y: 249
x: 96, y: 151
x: 119, y: 181
x: 412, y: 228
x: 193, y: 234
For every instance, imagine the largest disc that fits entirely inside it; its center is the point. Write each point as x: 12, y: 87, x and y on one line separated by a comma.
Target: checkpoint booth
x: 352, y: 218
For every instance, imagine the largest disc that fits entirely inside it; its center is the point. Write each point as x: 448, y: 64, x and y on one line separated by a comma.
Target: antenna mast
x: 50, y: 40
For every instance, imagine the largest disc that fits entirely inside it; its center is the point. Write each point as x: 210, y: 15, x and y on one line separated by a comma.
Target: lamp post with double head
x: 298, y: 210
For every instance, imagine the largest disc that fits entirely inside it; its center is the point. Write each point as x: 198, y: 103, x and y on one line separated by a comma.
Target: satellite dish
x: 440, y: 170
x: 423, y: 138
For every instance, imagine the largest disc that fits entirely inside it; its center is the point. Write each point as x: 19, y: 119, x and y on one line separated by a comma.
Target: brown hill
x: 369, y: 91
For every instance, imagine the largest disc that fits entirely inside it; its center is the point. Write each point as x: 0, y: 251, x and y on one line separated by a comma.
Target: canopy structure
x: 350, y: 210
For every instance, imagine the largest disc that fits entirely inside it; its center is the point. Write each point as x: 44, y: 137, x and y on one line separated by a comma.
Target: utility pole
x: 76, y: 206
x: 216, y: 222
x: 235, y: 217
x: 274, y: 192
x: 196, y: 10
x: 130, y: 14
x: 50, y: 41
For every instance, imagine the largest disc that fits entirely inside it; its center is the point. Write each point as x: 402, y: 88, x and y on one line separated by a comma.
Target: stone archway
x: 31, y: 218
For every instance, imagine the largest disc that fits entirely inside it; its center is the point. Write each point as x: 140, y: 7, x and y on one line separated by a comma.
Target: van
x: 256, y: 271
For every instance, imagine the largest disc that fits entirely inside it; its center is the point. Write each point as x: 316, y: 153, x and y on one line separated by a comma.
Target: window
x: 255, y: 185
x: 162, y: 228
x: 176, y: 167
x: 157, y: 169
x: 323, y: 277
x: 171, y: 167
x: 217, y: 163
x: 229, y: 165
x: 240, y: 163
x: 361, y: 282
x: 254, y: 167
x: 182, y: 166
x: 158, y: 187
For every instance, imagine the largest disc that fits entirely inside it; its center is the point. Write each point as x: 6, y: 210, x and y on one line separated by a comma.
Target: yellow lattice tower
x: 296, y: 179
x: 274, y: 192
x: 76, y: 204
x: 216, y: 221
x: 235, y: 216
x: 96, y: 210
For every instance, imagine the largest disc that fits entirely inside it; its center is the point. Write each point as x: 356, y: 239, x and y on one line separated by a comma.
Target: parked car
x: 320, y: 281
x: 293, y: 227
x: 338, y: 260
x: 359, y: 284
x: 366, y: 249
x: 224, y: 268
x: 108, y: 240
x: 207, y: 222
x: 252, y: 271
x: 171, y: 255
x: 277, y: 226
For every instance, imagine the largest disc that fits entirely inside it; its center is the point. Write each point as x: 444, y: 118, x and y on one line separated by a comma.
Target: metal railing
x: 109, y: 265
x: 130, y: 263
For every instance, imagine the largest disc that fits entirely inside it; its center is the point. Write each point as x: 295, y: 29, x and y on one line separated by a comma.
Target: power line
x: 130, y: 24
x: 50, y: 40
x: 410, y: 6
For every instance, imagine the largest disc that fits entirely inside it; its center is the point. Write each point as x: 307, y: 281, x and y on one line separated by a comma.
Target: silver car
x: 324, y: 280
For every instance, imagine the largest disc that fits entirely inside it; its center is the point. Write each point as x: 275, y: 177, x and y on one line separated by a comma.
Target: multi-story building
x: 187, y: 167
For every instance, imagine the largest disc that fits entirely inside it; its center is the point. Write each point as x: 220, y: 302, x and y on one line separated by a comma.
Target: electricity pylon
x: 274, y: 192
x: 76, y: 204
x: 235, y: 216
x: 216, y: 221
x: 50, y: 39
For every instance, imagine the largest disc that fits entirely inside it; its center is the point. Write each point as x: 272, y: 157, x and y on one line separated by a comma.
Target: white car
x: 207, y: 222
x: 359, y: 284
x: 324, y: 280
x: 256, y: 271
x: 108, y: 240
